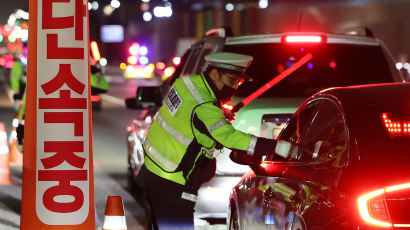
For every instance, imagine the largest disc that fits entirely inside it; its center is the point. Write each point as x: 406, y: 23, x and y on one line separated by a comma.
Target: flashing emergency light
x: 332, y: 64
x: 303, y: 38
x: 134, y: 49
x: 132, y: 60
x: 143, y: 50
x: 396, y: 126
x: 372, y: 207
x: 176, y: 60
x: 95, y: 51
x: 143, y: 60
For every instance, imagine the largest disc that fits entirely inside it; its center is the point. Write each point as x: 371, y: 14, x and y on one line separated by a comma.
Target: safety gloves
x: 286, y: 150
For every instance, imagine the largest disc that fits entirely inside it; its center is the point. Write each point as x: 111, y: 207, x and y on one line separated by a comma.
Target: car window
x: 332, y: 65
x: 318, y: 129
x: 324, y: 134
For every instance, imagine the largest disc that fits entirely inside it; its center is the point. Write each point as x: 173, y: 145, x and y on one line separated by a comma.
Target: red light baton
x: 272, y: 82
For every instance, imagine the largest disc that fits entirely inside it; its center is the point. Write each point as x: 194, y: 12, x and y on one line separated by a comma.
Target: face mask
x: 226, y: 94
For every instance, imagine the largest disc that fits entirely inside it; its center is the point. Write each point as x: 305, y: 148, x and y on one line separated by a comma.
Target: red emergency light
x: 300, y: 38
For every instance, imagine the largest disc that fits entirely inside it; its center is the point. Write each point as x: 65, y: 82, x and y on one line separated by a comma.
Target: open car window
x: 319, y: 131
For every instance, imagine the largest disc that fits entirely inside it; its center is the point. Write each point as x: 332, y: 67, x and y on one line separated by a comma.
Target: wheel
x: 233, y: 220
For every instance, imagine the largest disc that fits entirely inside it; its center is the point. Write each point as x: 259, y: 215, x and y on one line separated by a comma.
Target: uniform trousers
x: 168, y: 209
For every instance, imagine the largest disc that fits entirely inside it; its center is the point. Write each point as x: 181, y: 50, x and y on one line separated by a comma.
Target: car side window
x: 296, y: 128
x: 318, y: 129
x: 322, y: 131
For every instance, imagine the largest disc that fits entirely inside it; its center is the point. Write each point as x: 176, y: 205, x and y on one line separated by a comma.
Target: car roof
x: 385, y: 93
x: 276, y: 38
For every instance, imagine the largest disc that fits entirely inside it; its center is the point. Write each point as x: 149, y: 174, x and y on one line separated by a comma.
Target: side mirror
x: 150, y: 95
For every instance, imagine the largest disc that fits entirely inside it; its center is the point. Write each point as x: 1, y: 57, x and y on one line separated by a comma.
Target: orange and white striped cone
x: 114, y: 214
x: 16, y: 157
x: 4, y: 157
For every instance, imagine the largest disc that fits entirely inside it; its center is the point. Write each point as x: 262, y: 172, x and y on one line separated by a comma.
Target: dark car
x: 350, y: 169
x: 338, y: 60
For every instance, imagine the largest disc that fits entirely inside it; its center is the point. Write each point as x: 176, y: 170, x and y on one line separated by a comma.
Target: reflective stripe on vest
x: 217, y: 125
x: 191, y: 87
x: 251, y: 146
x: 208, y: 151
x: 153, y: 152
x: 171, y: 131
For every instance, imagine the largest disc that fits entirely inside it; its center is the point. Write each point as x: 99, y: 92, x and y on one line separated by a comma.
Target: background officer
x: 187, y: 129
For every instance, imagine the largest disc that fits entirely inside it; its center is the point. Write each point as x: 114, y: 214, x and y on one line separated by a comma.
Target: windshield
x: 332, y: 65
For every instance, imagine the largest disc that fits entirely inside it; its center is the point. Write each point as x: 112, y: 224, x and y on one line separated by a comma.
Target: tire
x: 233, y: 220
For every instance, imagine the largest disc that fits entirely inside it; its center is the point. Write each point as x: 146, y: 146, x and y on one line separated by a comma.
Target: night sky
x: 9, y: 6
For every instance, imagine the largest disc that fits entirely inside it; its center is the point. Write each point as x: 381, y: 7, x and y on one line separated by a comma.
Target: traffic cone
x: 16, y: 157
x: 114, y: 214
x: 4, y: 157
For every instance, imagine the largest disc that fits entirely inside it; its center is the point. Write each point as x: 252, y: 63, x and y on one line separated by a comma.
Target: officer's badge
x: 173, y: 101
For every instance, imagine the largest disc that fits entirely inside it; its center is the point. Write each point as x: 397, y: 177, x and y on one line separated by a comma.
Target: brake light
x: 95, y: 98
x: 396, y: 126
x: 304, y: 38
x: 373, y: 210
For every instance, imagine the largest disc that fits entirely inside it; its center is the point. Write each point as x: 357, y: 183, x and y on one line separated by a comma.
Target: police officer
x: 188, y: 127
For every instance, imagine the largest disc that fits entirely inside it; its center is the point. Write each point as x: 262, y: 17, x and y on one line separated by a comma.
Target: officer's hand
x: 286, y: 150
x: 229, y: 115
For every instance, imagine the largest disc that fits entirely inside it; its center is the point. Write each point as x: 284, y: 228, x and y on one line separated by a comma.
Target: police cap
x: 233, y: 62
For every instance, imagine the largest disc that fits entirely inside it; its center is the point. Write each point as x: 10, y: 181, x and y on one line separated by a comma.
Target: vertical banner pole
x: 58, y: 185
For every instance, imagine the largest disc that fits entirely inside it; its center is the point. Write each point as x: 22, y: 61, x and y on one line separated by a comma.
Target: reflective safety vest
x: 99, y: 81
x: 17, y: 76
x: 174, y: 143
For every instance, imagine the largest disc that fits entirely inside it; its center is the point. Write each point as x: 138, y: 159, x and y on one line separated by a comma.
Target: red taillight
x: 396, y: 126
x: 373, y: 210
x: 95, y: 98
x: 299, y: 38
